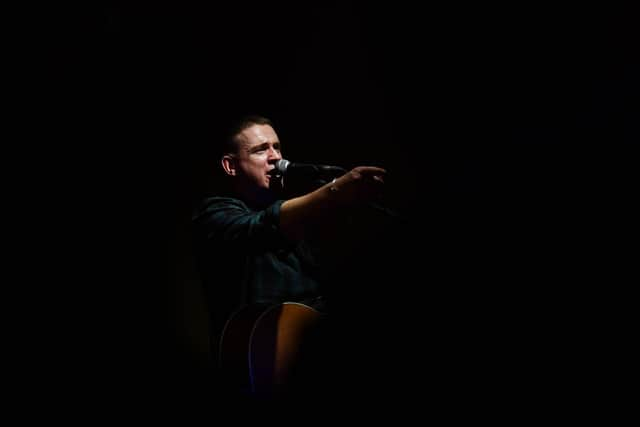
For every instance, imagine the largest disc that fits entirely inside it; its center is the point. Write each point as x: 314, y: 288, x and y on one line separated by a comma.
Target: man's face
x: 258, y: 150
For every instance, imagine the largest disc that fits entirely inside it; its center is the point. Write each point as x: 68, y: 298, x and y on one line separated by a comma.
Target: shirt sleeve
x: 230, y: 222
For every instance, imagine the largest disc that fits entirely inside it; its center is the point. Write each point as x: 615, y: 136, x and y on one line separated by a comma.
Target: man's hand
x: 359, y: 186
x: 362, y: 184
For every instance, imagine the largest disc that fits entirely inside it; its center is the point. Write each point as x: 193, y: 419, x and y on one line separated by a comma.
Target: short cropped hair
x: 230, y: 139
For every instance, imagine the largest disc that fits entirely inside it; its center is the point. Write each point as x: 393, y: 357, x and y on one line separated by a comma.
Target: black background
x: 498, y: 126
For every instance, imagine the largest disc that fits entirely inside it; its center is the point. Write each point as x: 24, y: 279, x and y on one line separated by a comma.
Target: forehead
x: 257, y: 134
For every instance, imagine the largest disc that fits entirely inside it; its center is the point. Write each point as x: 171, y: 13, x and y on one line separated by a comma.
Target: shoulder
x: 226, y: 211
x: 217, y: 203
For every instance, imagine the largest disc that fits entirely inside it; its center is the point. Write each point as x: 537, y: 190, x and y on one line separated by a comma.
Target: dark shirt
x: 244, y: 258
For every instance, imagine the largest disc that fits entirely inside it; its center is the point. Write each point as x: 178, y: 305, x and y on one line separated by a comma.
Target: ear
x: 229, y: 164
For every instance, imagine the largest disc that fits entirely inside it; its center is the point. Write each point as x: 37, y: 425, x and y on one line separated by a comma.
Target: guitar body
x: 261, y: 346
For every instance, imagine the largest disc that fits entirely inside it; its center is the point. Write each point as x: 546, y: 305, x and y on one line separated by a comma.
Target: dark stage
x: 496, y: 126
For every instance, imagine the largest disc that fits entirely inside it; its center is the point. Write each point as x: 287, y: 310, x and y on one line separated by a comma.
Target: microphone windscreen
x: 281, y: 166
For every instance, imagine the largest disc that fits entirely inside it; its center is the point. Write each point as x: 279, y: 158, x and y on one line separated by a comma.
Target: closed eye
x: 264, y: 147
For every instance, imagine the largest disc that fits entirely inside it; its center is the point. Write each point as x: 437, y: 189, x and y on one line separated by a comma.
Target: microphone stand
x: 388, y: 212
x: 325, y: 175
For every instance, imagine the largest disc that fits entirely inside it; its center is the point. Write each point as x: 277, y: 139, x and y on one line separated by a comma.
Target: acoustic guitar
x: 261, y: 345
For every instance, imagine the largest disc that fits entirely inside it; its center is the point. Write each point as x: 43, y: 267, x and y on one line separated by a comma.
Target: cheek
x: 255, y: 168
x: 252, y: 164
x: 257, y: 160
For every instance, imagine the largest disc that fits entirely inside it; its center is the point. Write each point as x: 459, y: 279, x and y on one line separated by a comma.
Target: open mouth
x: 274, y: 179
x: 274, y: 174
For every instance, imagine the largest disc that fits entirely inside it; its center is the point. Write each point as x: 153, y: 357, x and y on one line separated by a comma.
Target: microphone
x: 306, y: 170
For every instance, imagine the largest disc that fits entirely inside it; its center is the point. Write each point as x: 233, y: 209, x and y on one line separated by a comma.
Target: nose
x: 274, y: 155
